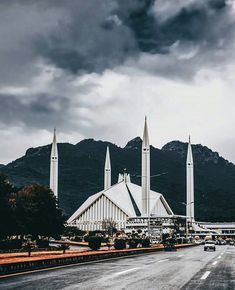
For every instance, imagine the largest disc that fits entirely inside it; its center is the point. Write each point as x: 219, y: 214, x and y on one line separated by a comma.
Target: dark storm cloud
x: 102, y: 34
x: 91, y: 36
x: 193, y: 21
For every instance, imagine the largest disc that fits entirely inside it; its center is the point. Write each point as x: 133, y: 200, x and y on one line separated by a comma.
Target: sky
x: 95, y: 68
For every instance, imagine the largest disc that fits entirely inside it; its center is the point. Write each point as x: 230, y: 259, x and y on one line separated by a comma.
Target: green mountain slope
x: 81, y: 168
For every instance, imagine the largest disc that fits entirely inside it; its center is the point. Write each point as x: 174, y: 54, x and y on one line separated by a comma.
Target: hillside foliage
x: 81, y: 170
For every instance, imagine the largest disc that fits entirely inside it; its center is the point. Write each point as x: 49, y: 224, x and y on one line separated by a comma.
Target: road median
x: 25, y: 264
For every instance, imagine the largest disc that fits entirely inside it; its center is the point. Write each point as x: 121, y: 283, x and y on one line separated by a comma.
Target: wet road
x: 189, y: 268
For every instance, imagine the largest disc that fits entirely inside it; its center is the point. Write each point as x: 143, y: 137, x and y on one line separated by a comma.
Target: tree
x: 37, y: 210
x: 8, y: 223
x: 109, y: 225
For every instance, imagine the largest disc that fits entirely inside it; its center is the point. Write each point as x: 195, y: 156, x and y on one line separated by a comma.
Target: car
x: 209, y: 245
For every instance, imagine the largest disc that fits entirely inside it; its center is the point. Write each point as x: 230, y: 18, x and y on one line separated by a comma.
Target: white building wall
x: 101, y: 209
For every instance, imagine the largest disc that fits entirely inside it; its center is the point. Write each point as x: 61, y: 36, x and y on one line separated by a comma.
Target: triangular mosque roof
x: 128, y: 197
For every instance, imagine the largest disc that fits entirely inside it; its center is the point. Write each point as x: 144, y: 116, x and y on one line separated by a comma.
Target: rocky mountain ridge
x: 81, y: 168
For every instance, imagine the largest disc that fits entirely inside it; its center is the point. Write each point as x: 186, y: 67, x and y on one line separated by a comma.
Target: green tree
x: 110, y: 225
x: 8, y: 224
x: 37, y: 210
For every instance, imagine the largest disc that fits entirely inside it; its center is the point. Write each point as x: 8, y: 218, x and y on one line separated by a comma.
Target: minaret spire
x: 190, y: 183
x: 107, y: 170
x: 145, y: 181
x: 54, y: 166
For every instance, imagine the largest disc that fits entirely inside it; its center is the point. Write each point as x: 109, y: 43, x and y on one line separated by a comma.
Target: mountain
x: 81, y: 170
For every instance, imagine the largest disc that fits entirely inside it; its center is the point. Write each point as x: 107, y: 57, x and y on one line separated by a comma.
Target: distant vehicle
x: 220, y: 242
x: 198, y: 242
x: 231, y: 243
x: 209, y: 245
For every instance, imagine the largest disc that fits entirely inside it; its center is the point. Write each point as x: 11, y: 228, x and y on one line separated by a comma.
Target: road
x: 189, y: 268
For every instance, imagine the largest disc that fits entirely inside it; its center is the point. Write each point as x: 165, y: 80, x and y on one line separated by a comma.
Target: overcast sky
x: 95, y: 68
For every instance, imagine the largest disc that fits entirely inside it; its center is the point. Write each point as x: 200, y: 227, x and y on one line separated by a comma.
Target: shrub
x: 94, y: 242
x: 133, y: 243
x: 146, y: 243
x: 43, y: 243
x: 57, y: 237
x: 120, y: 244
x: 86, y: 238
x: 10, y: 244
x: 105, y: 239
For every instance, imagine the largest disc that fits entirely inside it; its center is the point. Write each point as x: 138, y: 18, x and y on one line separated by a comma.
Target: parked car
x: 209, y: 245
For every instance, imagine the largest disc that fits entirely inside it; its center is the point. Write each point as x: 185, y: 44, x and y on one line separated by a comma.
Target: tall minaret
x: 54, y: 167
x: 145, y: 181
x: 190, y: 183
x: 107, y: 170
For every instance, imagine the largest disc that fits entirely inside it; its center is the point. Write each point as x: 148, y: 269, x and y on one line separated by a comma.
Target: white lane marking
x: 214, y: 263
x: 180, y: 256
x: 219, y: 257
x: 205, y: 275
x: 164, y: 260
x: 126, y: 271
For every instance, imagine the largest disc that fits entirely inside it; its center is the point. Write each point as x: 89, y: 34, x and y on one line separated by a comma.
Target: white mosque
x: 126, y: 202
x: 123, y: 200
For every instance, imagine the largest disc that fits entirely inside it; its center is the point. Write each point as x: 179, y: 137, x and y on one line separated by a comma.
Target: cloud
x: 95, y: 68
x: 91, y: 36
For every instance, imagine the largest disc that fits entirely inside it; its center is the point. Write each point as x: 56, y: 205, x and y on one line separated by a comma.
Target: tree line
x: 30, y: 210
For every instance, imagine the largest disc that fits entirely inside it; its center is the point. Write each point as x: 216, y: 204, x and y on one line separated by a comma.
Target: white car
x: 209, y: 245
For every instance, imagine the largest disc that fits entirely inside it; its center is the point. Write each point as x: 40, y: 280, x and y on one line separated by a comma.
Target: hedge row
x: 94, y: 242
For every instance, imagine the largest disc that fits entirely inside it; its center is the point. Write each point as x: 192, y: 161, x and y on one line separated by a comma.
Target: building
x: 222, y: 229
x: 130, y: 206
x: 117, y: 203
x: 123, y: 200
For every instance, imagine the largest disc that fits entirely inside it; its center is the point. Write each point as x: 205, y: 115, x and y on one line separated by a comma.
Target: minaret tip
x: 54, y: 135
x: 107, y: 170
x: 145, y: 134
x: 189, y: 139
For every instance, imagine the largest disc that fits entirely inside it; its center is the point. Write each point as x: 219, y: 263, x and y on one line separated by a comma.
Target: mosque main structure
x: 123, y: 200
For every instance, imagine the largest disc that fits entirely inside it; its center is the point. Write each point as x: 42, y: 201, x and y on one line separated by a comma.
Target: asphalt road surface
x: 189, y: 268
